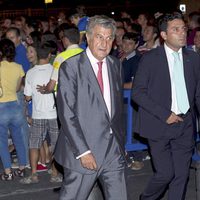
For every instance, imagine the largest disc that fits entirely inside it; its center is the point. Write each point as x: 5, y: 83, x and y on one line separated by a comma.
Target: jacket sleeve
x: 67, y: 109
x: 141, y: 89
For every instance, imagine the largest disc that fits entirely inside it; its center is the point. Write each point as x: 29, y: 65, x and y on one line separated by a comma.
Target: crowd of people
x: 62, y: 80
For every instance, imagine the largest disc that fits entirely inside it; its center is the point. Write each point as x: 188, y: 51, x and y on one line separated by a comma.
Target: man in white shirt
x: 166, y: 88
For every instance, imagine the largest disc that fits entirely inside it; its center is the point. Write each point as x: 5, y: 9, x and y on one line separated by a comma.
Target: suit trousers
x: 77, y: 186
x: 171, y: 157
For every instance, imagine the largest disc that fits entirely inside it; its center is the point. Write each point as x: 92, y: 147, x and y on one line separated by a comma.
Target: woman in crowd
x: 11, y: 117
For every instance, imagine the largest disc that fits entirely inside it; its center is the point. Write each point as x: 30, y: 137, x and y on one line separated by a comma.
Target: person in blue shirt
x: 13, y: 34
x: 80, y: 21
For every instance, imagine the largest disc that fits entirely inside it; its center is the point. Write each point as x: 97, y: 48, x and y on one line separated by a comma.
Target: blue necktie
x: 179, y: 81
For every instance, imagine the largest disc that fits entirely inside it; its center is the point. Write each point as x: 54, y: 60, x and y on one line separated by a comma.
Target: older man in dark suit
x: 166, y: 88
x: 91, y: 142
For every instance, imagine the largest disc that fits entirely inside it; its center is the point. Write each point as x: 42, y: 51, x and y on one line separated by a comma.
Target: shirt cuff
x: 83, y: 154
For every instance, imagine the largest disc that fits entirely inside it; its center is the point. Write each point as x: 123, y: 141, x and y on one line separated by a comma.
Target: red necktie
x: 99, y: 76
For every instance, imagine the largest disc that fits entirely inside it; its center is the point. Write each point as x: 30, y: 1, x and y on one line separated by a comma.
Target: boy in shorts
x: 44, y: 112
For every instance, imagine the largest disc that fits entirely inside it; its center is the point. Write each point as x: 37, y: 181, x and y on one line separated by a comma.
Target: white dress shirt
x: 170, y: 59
x: 106, y: 84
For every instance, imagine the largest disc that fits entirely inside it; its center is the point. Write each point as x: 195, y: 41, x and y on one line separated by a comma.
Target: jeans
x: 25, y: 128
x: 11, y: 119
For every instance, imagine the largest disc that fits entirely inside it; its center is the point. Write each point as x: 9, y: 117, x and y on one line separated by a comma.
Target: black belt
x: 184, y: 115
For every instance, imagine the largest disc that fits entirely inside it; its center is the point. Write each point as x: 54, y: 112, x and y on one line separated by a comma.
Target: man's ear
x: 87, y: 37
x: 163, y: 35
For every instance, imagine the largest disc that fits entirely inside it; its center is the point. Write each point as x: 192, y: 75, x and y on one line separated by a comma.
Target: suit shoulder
x: 113, y: 58
x: 72, y: 60
x: 191, y: 52
x: 153, y: 52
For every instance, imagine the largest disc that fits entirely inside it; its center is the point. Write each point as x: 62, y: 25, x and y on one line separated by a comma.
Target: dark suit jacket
x: 152, y: 91
x: 85, y: 121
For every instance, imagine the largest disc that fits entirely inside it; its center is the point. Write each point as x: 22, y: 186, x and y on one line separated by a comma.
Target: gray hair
x: 103, y: 21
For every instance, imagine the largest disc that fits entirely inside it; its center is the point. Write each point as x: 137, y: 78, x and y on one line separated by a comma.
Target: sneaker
x: 147, y: 158
x: 56, y: 179
x: 50, y: 171
x: 28, y: 166
x: 137, y: 165
x: 15, y: 166
x: 41, y: 168
x: 19, y: 172
x: 6, y: 177
x: 30, y: 179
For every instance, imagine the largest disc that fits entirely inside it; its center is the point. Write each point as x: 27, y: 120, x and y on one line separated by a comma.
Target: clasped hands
x: 173, y: 118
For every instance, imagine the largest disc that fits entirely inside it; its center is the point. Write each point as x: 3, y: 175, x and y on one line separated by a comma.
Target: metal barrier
x: 130, y: 146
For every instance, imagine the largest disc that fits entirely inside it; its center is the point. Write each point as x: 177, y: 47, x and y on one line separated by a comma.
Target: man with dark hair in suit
x: 90, y: 108
x: 166, y: 88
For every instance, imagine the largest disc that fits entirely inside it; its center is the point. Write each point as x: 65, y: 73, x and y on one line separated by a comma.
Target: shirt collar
x: 170, y: 51
x: 73, y: 46
x: 133, y: 53
x: 92, y: 59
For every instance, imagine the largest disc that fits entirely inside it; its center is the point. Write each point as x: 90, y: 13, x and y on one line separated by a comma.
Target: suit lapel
x: 112, y: 81
x: 165, y: 75
x: 187, y: 73
x: 91, y: 78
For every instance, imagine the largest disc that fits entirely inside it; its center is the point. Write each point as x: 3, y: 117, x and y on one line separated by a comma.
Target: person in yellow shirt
x: 11, y: 117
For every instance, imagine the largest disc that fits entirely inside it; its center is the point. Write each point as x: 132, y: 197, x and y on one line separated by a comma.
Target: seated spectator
x: 193, y: 23
x: 130, y: 58
x: 6, y: 23
x: 196, y: 46
x: 62, y: 18
x: 33, y: 38
x: 151, y: 38
x: 31, y: 25
x: 136, y: 28
x: 130, y: 61
x: 11, y: 117
x: 80, y: 21
x: 81, y: 9
x: 117, y: 44
x: 142, y: 20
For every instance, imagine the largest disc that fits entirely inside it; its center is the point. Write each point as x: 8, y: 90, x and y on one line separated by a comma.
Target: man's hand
x: 41, y: 89
x: 88, y: 161
x: 173, y: 118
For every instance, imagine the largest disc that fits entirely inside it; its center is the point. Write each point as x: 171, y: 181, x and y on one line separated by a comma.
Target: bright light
x: 182, y: 7
x: 48, y: 1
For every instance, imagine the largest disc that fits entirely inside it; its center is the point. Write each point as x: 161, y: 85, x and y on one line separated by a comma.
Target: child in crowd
x: 44, y: 115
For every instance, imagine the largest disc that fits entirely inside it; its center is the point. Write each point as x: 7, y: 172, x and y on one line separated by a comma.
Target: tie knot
x: 176, y: 55
x: 100, y: 64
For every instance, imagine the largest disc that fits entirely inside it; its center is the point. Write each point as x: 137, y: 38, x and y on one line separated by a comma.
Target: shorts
x: 38, y: 131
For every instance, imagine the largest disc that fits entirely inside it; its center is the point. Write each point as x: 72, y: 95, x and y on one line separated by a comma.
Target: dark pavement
x: 136, y: 181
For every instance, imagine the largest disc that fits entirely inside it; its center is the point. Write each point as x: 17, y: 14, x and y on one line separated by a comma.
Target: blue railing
x: 130, y: 146
x: 138, y: 146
